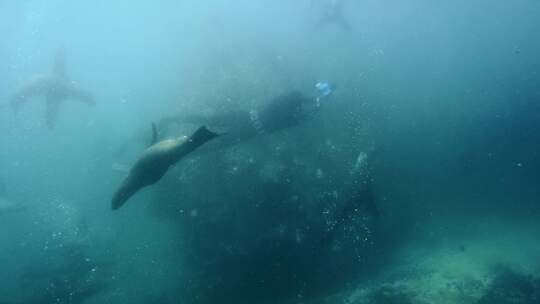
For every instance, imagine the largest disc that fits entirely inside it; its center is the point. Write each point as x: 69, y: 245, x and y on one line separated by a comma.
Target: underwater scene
x: 269, y: 151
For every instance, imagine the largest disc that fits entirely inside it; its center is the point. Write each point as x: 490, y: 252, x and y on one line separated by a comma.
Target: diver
x: 360, y: 202
x: 333, y: 13
x: 55, y: 87
x: 282, y: 112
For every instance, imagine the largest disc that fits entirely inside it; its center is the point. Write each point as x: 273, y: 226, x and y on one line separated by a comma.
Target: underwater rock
x: 510, y: 287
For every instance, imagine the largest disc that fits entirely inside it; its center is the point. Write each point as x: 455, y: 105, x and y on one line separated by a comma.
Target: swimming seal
x: 156, y: 160
x: 56, y: 87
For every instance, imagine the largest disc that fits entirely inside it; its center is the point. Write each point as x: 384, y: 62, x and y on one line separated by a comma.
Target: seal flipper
x: 59, y: 66
x: 83, y: 96
x: 52, y: 108
x: 154, y: 134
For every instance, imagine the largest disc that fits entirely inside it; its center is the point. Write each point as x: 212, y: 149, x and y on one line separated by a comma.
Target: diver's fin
x: 366, y: 200
x: 154, y: 134
x: 361, y: 203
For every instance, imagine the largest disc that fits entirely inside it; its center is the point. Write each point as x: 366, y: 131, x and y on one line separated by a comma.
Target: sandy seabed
x: 497, y: 264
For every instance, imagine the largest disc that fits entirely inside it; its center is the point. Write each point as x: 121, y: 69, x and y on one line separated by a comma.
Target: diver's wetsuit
x: 284, y: 111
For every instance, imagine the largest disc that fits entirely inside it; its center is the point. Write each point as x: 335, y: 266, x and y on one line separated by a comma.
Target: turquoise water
x: 436, y: 112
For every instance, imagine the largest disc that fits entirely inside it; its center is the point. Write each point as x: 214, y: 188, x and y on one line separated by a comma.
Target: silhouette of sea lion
x: 55, y: 87
x: 156, y: 160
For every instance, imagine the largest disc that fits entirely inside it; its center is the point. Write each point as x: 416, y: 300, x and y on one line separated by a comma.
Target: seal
x: 56, y: 87
x: 156, y: 160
